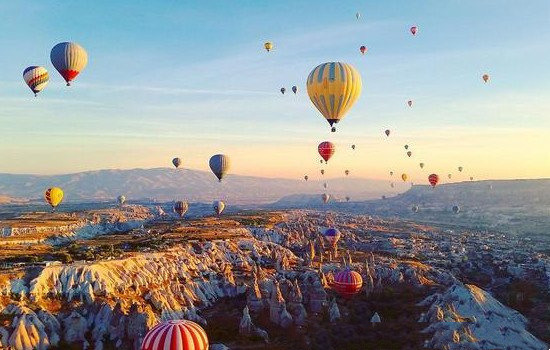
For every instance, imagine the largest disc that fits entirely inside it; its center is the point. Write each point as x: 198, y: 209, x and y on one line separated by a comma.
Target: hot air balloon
x: 36, y: 78
x: 218, y: 207
x: 392, y: 185
x: 391, y: 173
x: 352, y: 146
x: 471, y: 178
x: 121, y: 199
x: 486, y: 78
x: 456, y: 209
x: 433, y: 179
x: 363, y: 49
x: 332, y: 235
x: 421, y: 165
x: 409, y: 153
x: 325, y: 185
x: 357, y: 15
x: 460, y: 168
x: 347, y: 198
x: 490, y: 187
x: 346, y: 172
x: 449, y: 176
x: 387, y: 132
x: 410, y: 103
x: 322, y: 171
x: 404, y: 177
x: 219, y: 164
x: 69, y: 59
x: 283, y: 90
x: 180, y: 207
x: 176, y: 335
x: 414, y: 208
x: 177, y: 162
x: 383, y: 197
x: 294, y: 89
x: 325, y: 198
x: 268, y: 46
x: 334, y: 87
x: 347, y: 283
x: 406, y: 146
x: 306, y: 177
x: 53, y: 196
x: 414, y: 30
x: 326, y: 150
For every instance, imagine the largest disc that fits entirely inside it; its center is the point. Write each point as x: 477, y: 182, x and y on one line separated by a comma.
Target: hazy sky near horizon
x: 191, y: 79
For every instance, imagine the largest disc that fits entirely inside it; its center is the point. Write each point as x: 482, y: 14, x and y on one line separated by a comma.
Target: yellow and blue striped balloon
x: 334, y: 87
x: 36, y: 78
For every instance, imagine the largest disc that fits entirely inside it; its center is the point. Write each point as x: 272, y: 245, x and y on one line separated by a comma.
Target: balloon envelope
x: 219, y: 164
x: 456, y: 209
x: 414, y: 30
x: 177, y: 162
x: 268, y: 46
x: 294, y: 89
x: 326, y: 150
x: 433, y: 179
x: 181, y: 207
x: 404, y: 177
x: 36, y: 78
x: 53, y: 196
x: 218, y: 207
x: 121, y: 199
x: 347, y: 283
x: 333, y: 88
x: 69, y: 59
x: 387, y: 132
x: 325, y: 197
x: 176, y: 335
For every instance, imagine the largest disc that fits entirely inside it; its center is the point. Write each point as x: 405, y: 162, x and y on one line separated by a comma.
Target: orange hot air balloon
x: 433, y: 179
x: 404, y: 177
x: 326, y: 150
x: 363, y: 49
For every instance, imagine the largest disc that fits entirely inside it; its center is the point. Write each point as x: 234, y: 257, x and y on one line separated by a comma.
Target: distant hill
x: 165, y: 184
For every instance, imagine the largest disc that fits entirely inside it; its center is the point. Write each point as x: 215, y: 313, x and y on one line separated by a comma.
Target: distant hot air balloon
x: 387, y: 132
x: 294, y: 89
x: 414, y: 30
x: 346, y: 172
x: 409, y: 153
x: 181, y: 207
x: 383, y: 197
x: 69, y: 59
x: 325, y: 198
x: 53, y: 196
x: 121, y: 199
x: 421, y: 165
x: 456, y: 209
x: 36, y: 78
x: 460, y: 168
x: 352, y: 146
x: 471, y: 178
x: 283, y: 90
x: 347, y: 198
x: 392, y: 185
x: 490, y: 187
x: 391, y: 173
x: 406, y: 146
x: 268, y: 46
x: 306, y: 177
x: 363, y: 49
x: 347, y: 283
x: 357, y: 15
x: 177, y: 162
x: 486, y: 78
x: 325, y: 185
x: 404, y: 177
x: 334, y: 87
x: 449, y: 176
x: 218, y: 207
x: 433, y: 179
x: 322, y: 171
x: 410, y: 103
x: 326, y: 150
x: 176, y: 335
x: 332, y: 235
x: 219, y: 164
x: 414, y: 208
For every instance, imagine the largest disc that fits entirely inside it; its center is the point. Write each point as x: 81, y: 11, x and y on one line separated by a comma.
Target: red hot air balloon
x: 433, y: 179
x: 363, y: 49
x: 326, y: 150
x: 176, y: 335
x: 414, y: 30
x: 347, y: 283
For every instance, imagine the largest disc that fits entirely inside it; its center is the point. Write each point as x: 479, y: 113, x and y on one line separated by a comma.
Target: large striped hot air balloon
x: 36, y: 78
x: 218, y: 207
x: 69, y: 59
x: 176, y: 335
x: 334, y: 87
x: 53, y: 196
x: 219, y: 164
x: 326, y: 150
x: 332, y: 235
x: 347, y: 283
x: 433, y: 179
x: 181, y: 207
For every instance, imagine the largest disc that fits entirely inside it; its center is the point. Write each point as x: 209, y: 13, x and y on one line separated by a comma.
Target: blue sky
x: 191, y: 79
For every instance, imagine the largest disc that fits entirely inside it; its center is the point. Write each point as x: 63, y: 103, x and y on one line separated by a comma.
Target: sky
x: 191, y: 79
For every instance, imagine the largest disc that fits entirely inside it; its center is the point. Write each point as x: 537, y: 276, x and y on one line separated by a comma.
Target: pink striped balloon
x: 347, y: 283
x: 176, y: 335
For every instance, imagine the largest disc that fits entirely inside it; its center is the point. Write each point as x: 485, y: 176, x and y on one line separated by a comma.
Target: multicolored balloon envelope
x: 181, y: 207
x: 326, y: 150
x: 347, y: 283
x: 433, y: 179
x: 69, y: 59
x: 332, y: 235
x: 176, y: 335
x: 53, y: 196
x: 36, y: 78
